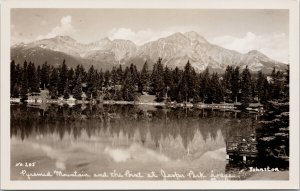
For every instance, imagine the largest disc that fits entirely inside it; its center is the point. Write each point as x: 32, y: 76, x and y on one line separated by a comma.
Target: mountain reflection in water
x: 104, y: 138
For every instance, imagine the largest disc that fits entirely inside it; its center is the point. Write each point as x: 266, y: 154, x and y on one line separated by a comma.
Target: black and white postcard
x: 149, y: 94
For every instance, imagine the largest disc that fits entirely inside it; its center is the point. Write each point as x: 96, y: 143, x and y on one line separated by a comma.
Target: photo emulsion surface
x: 149, y: 94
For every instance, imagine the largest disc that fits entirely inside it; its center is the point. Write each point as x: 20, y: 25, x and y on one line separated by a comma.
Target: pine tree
x: 13, y: 77
x: 71, y: 79
x: 107, y: 82
x: 190, y: 83
x: 217, y: 91
x: 128, y: 89
x: 45, y: 76
x: 24, y: 83
x: 286, y: 86
x: 157, y: 78
x: 30, y: 75
x: 114, y: 77
x: 277, y: 85
x: 246, y: 96
x: 274, y: 130
x: 174, y: 89
x: 262, y: 87
x: 168, y: 81
x: 91, y: 83
x: 145, y: 77
x: 67, y: 90
x: 153, y: 80
x: 226, y: 82
x: 205, y: 87
x: 63, y: 76
x: 187, y: 84
x: 35, y: 83
x: 16, y: 91
x: 235, y: 84
x: 38, y: 73
x: 18, y: 80
x: 195, y: 86
x: 53, y: 82
x: 77, y: 91
x: 101, y: 80
x: 120, y: 75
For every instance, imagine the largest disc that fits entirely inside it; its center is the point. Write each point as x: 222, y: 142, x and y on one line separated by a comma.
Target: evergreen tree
x: 38, y: 73
x: 67, y: 90
x: 77, y: 91
x: 16, y: 91
x: 205, y: 87
x: 262, y: 87
x: 217, y: 91
x: 188, y: 82
x: 227, y: 86
x: 53, y: 83
x: 246, y: 96
x: 114, y: 77
x: 286, y: 86
x: 128, y: 89
x: 168, y: 81
x: 45, y: 76
x: 63, y: 77
x: 195, y: 86
x: 30, y: 75
x: 276, y: 84
x: 107, y: 82
x: 120, y: 75
x: 35, y: 83
x: 71, y: 79
x: 145, y: 77
x: 24, y: 83
x: 174, y: 89
x: 153, y: 80
x: 179, y: 85
x: 274, y: 130
x: 157, y: 86
x: 91, y: 83
x: 13, y: 77
x: 235, y: 84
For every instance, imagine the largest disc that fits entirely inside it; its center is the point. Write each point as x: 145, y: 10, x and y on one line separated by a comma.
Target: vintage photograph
x: 114, y: 95
x: 149, y: 94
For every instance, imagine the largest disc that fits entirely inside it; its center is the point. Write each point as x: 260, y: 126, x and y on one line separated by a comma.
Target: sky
x: 240, y: 30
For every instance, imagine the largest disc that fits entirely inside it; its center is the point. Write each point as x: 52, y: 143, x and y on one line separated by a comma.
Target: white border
x: 292, y: 5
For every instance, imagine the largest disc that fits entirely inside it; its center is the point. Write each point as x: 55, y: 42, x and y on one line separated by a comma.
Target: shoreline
x: 230, y: 106
x: 200, y: 105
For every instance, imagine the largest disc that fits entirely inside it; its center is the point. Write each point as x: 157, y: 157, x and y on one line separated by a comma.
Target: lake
x: 123, y: 142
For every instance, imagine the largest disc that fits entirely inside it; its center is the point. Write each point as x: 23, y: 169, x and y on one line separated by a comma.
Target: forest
x: 166, y: 84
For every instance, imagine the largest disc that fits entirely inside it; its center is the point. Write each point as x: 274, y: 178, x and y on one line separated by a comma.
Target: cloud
x: 274, y: 45
x: 64, y: 29
x: 16, y: 37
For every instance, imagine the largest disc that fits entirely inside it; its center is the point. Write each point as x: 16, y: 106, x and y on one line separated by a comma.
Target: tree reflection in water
x: 179, y: 133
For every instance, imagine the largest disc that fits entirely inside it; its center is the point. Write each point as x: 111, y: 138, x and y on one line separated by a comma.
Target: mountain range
x: 175, y: 50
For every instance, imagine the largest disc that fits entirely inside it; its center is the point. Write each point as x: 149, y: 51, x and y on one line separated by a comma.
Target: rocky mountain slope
x: 175, y: 50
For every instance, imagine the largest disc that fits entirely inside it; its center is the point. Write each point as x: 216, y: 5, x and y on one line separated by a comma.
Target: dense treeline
x: 180, y: 85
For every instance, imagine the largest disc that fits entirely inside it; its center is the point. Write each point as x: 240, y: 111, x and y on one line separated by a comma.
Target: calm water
x: 128, y: 140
